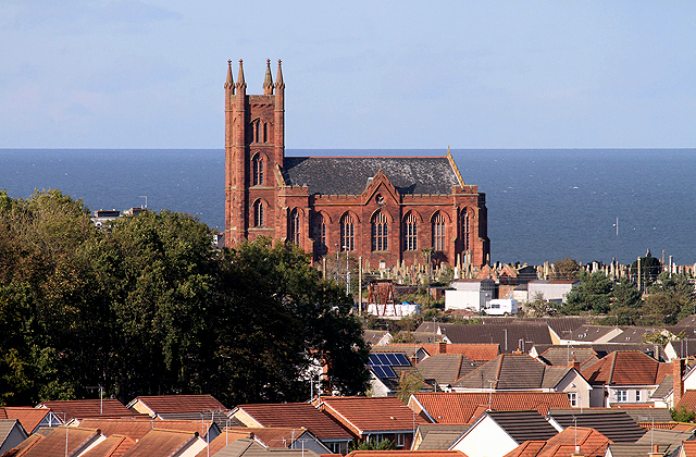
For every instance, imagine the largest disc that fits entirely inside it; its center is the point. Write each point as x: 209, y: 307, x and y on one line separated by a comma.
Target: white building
x: 472, y: 294
x: 555, y: 291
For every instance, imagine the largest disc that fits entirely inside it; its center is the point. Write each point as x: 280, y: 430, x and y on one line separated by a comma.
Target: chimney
x: 442, y: 347
x: 573, y: 363
x: 677, y: 382
x: 655, y: 452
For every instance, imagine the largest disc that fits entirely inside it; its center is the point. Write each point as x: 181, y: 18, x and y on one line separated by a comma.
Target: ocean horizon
x: 543, y: 204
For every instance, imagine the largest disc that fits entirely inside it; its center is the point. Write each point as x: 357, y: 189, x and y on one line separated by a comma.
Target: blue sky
x: 359, y: 74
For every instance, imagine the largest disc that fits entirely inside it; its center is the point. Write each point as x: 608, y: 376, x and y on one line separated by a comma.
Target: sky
x: 359, y: 74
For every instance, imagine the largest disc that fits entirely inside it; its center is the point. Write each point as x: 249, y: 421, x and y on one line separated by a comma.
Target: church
x: 391, y: 211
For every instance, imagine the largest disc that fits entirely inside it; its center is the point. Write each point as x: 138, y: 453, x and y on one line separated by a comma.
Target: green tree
x: 409, y: 384
x: 373, y: 445
x: 625, y: 305
x: 566, y: 268
x: 592, y: 294
x: 682, y: 414
x: 537, y: 307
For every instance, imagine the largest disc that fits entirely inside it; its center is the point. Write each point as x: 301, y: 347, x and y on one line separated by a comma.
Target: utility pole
x: 360, y: 286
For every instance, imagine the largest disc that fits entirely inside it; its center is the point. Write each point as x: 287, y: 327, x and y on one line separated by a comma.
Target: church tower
x: 254, y: 154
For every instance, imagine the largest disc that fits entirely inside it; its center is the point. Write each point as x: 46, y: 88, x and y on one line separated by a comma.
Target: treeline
x: 149, y: 306
x: 666, y: 300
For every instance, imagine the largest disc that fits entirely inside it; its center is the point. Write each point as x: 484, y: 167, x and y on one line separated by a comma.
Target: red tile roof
x: 466, y: 407
x: 626, y: 368
x: 406, y: 454
x: 689, y: 448
x: 166, y: 404
x: 138, y: 428
x: 112, y: 446
x: 161, y: 442
x: 272, y: 437
x: 53, y: 444
x: 218, y: 444
x: 364, y: 415
x: 592, y: 444
x: 28, y: 416
x: 475, y: 352
x: 82, y: 409
x: 297, y: 415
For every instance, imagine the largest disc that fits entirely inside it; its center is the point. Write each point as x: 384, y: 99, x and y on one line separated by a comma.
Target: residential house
x: 476, y: 352
x: 496, y: 433
x: 573, y: 441
x: 467, y: 407
x: 637, y: 335
x: 617, y: 425
x: 167, y: 443
x: 443, y: 370
x: 112, y: 446
x: 642, y: 450
x: 277, y: 437
x: 415, y: 352
x: 11, y: 434
x: 565, y: 355
x: 59, y: 441
x: 517, y: 334
x: 437, y: 437
x: 386, y: 370
x: 251, y: 448
x: 137, y: 428
x: 521, y: 372
x: 471, y: 294
x: 68, y: 410
x: 625, y: 377
x: 178, y: 406
x: 680, y: 349
x: 377, y: 337
x: 296, y: 415
x: 31, y: 418
x: 373, y: 419
x: 688, y: 449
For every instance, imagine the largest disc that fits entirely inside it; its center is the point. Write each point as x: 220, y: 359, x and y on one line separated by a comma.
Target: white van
x: 501, y: 307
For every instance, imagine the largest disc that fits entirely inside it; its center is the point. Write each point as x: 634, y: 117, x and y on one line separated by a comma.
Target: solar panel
x: 389, y: 373
x: 392, y: 359
x: 374, y: 360
x: 383, y: 358
x: 401, y: 360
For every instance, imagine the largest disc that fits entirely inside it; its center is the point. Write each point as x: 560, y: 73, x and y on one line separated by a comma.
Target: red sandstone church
x: 389, y: 210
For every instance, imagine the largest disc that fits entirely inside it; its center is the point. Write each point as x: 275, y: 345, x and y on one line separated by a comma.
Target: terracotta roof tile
x: 297, y: 415
x: 466, y: 407
x: 689, y: 449
x: 472, y: 351
x: 161, y: 442
x: 626, y: 368
x: 112, y: 446
x: 29, y: 417
x: 166, y: 404
x: 81, y: 409
x: 136, y: 429
x: 688, y: 400
x: 406, y: 454
x: 364, y: 415
x: 53, y: 443
x: 592, y: 444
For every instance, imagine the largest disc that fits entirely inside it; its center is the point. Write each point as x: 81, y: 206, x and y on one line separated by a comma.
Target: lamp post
x: 347, y: 273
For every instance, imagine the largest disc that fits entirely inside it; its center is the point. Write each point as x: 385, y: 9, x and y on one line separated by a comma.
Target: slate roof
x: 349, y: 175
x: 665, y: 437
x: 665, y: 388
x: 623, y: 368
x: 618, y: 426
x: 445, y: 368
x: 634, y: 335
x: 168, y: 404
x: 603, y: 349
x: 685, y: 347
x: 297, y: 415
x: 523, y: 425
x: 506, y: 336
x: 29, y: 417
x: 513, y: 372
x: 639, y: 415
x: 639, y: 450
x: 466, y: 407
x: 364, y: 415
x: 161, y: 442
x: 590, y: 333
x: 440, y: 439
x: 82, y: 409
x: 373, y: 336
x: 559, y: 356
x: 591, y: 442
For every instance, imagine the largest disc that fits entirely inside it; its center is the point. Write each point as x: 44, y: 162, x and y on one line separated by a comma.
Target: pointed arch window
x: 320, y: 234
x: 380, y: 229
x: 465, y: 229
x: 294, y: 235
x: 410, y: 233
x: 257, y: 170
x: 438, y: 230
x: 347, y: 233
x: 258, y: 213
x: 265, y: 132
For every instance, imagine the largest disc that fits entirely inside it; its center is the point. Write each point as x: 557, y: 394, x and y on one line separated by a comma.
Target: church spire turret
x: 241, y: 82
x: 229, y: 82
x: 268, y: 79
x: 280, y: 84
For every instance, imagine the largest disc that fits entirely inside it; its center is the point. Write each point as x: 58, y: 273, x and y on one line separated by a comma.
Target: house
x: 61, y: 441
x: 443, y: 370
x: 11, y: 434
x: 625, y: 377
x: 573, y: 441
x: 377, y: 337
x: 415, y: 352
x: 424, y: 453
x: 177, y: 406
x: 67, y: 410
x: 565, y: 355
x: 472, y: 294
x: 515, y: 334
x: 466, y: 408
x: 277, y: 437
x: 31, y: 418
x: 642, y: 450
x: 373, y: 419
x: 251, y: 448
x: 637, y: 335
x: 112, y: 446
x: 617, y: 425
x: 521, y: 372
x: 437, y: 437
x: 591, y: 334
x: 680, y: 349
x: 386, y: 369
x: 295, y: 415
x: 167, y: 443
x: 137, y: 428
x: 554, y: 291
x: 496, y: 433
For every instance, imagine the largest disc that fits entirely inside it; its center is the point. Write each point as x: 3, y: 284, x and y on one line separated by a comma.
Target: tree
x: 626, y: 304
x: 592, y: 294
x: 409, y: 384
x: 567, y: 268
x: 537, y: 307
x: 374, y: 445
x: 681, y: 414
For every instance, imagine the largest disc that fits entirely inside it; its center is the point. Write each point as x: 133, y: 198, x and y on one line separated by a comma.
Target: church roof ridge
x: 369, y: 157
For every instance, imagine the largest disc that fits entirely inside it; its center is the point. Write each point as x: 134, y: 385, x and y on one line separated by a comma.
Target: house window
x: 379, y: 232
x: 465, y: 230
x: 294, y: 235
x: 638, y: 396
x: 410, y: 233
x: 347, y: 233
x: 573, y: 397
x: 258, y: 213
x: 320, y: 234
x: 438, y: 232
x: 400, y: 440
x: 257, y: 170
x: 621, y: 396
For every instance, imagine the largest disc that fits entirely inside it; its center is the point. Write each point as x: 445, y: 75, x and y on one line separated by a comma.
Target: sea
x: 542, y: 204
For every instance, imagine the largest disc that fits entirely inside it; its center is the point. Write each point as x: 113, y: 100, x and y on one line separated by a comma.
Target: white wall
x: 551, y: 292
x: 467, y: 299
x: 574, y: 382
x: 485, y: 439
